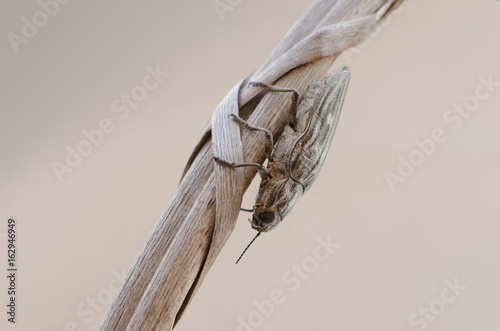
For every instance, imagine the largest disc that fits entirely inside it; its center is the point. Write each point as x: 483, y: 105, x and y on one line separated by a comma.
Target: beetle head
x: 264, y: 219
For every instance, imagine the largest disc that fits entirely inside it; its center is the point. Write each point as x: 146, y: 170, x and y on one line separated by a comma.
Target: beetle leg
x: 268, y: 147
x: 263, y: 172
x: 292, y: 112
x: 247, y: 209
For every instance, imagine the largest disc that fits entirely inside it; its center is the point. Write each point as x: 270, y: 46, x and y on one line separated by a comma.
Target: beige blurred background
x: 423, y: 255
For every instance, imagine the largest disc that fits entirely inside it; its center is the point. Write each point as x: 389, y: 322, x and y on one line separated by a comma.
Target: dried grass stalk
x: 202, y: 213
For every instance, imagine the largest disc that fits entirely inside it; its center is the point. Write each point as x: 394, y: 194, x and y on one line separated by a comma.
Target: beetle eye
x: 267, y: 216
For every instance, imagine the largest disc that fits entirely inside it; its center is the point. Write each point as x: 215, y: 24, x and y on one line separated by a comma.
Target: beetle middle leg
x: 261, y: 169
x: 268, y: 147
x: 292, y: 112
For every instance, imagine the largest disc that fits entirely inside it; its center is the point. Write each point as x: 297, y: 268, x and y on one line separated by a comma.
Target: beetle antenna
x: 258, y: 234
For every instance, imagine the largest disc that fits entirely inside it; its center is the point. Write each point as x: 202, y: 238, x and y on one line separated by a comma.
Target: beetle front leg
x: 292, y: 112
x: 261, y: 169
x: 235, y: 165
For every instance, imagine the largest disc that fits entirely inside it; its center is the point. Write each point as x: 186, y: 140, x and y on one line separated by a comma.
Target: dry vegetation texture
x: 201, y: 216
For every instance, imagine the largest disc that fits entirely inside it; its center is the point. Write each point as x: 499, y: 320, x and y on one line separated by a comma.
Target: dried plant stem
x: 201, y: 215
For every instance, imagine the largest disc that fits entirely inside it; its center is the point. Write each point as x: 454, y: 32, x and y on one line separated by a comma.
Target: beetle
x: 296, y: 160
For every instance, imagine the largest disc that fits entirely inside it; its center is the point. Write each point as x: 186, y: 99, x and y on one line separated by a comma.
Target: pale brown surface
x: 396, y: 248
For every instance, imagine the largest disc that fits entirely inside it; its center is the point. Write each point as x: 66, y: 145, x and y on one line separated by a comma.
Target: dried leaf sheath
x: 197, y: 222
